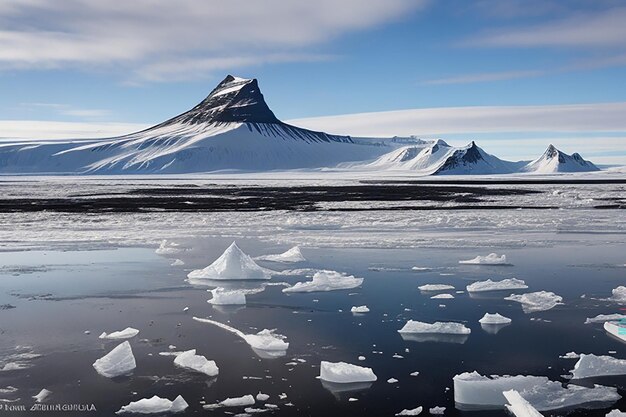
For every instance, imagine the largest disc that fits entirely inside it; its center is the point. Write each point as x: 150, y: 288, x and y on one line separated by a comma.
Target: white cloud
x: 67, y: 110
x: 600, y: 117
x: 485, y: 77
x: 205, y: 35
x: 37, y: 129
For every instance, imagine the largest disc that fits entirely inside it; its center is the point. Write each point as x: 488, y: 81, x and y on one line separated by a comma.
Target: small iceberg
x: 489, y: 285
x: 155, y: 405
x: 345, y: 373
x: 168, y: 248
x: 473, y: 391
x: 120, y: 361
x: 570, y: 355
x: 518, y: 406
x: 494, y: 319
x: 127, y: 333
x: 438, y: 327
x: 591, y: 366
x: 435, y: 287
x: 437, y: 410
x: 326, y: 281
x: 266, y: 343
x: 410, y: 412
x: 491, y: 259
x: 42, y: 396
x: 360, y: 309
x: 601, y: 318
x: 536, y: 301
x: 177, y: 262
x: 224, y: 297
x: 189, y: 360
x: 293, y: 255
x: 444, y: 296
x: 616, y: 413
x: 618, y: 295
x: 233, y: 264
x: 616, y: 328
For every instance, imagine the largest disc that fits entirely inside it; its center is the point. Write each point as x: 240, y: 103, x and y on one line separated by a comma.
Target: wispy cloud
x: 485, y: 77
x: 39, y: 129
x: 186, y: 38
x: 68, y: 110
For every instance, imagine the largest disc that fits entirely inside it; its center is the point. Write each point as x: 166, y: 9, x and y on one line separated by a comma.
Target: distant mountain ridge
x: 233, y: 128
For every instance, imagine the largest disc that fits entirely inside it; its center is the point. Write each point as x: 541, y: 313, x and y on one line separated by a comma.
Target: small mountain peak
x: 551, y: 152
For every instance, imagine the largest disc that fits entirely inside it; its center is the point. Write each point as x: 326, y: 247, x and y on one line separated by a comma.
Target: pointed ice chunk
x: 494, y: 319
x: 232, y: 265
x: 345, y: 373
x: 518, y: 406
x: 155, y: 405
x: 491, y: 259
x: 591, y: 365
x: 188, y: 359
x: 127, y: 333
x: 119, y: 361
x: 43, y: 394
x: 291, y: 256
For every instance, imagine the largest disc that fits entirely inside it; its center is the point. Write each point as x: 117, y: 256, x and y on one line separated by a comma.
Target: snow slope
x: 554, y: 160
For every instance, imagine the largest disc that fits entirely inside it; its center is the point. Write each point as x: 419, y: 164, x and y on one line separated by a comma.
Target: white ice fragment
x: 282, y: 396
x: 616, y: 413
x: 265, y: 343
x: 167, y: 248
x: 188, y: 359
x: 186, y: 309
x: 155, y: 405
x: 43, y: 394
x: 435, y: 287
x: 87, y: 332
x: 416, y: 373
x: 518, y: 406
x: 437, y: 410
x: 536, y: 301
x: 591, y: 366
x: 412, y: 412
x: 243, y: 401
x: 444, y: 296
x: 570, y: 355
x: 127, y: 333
x: 262, y: 397
x: 119, y: 361
x: 489, y: 285
x: 345, y: 373
x: 325, y: 280
x: 291, y: 256
x: 360, y: 309
x: 601, y: 318
x: 352, y: 399
x: 361, y: 358
x: 475, y: 391
x: 396, y: 356
x: 420, y: 268
x: 177, y: 262
x: 491, y: 259
x: 494, y: 319
x: 392, y: 381
x: 619, y: 295
x: 413, y: 326
x: 233, y: 264
x: 616, y: 328
x: 227, y: 297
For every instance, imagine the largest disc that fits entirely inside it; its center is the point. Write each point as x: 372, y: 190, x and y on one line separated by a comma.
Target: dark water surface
x: 50, y: 298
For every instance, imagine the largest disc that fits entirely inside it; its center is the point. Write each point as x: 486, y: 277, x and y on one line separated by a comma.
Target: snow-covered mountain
x: 554, y: 160
x: 439, y: 158
x: 232, y: 129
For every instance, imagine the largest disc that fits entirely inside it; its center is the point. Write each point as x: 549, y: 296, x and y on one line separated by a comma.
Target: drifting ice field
x: 78, y: 259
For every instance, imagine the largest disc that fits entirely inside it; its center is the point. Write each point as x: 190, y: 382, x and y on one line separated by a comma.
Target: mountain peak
x: 234, y: 100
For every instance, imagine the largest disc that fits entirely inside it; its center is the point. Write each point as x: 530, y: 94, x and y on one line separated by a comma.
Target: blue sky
x: 106, y: 67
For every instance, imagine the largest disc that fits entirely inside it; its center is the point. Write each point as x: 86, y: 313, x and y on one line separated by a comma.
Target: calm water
x: 59, y: 295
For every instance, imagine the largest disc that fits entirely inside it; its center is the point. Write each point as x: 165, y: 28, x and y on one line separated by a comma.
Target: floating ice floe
x: 168, y: 248
x: 266, y: 343
x: 359, y: 309
x: 435, y: 287
x: 345, y: 373
x: 616, y: 328
x: 42, y: 396
x: 177, y: 262
x: 189, y: 360
x: 155, y: 405
x: 293, y: 255
x: 420, y: 268
x: 243, y: 401
x: 233, y: 264
x: 491, y: 259
x: 412, y: 412
x: 536, y: 301
x: 262, y: 397
x: 474, y: 391
x: 619, y: 295
x: 601, y: 318
x: 442, y: 296
x: 518, y: 406
x: 326, y: 281
x: 437, y: 410
x: 127, y: 333
x: 494, y: 319
x: 224, y: 297
x: 119, y: 361
x: 591, y: 365
x: 489, y: 285
x: 438, y: 327
x: 616, y: 413
x: 570, y: 355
